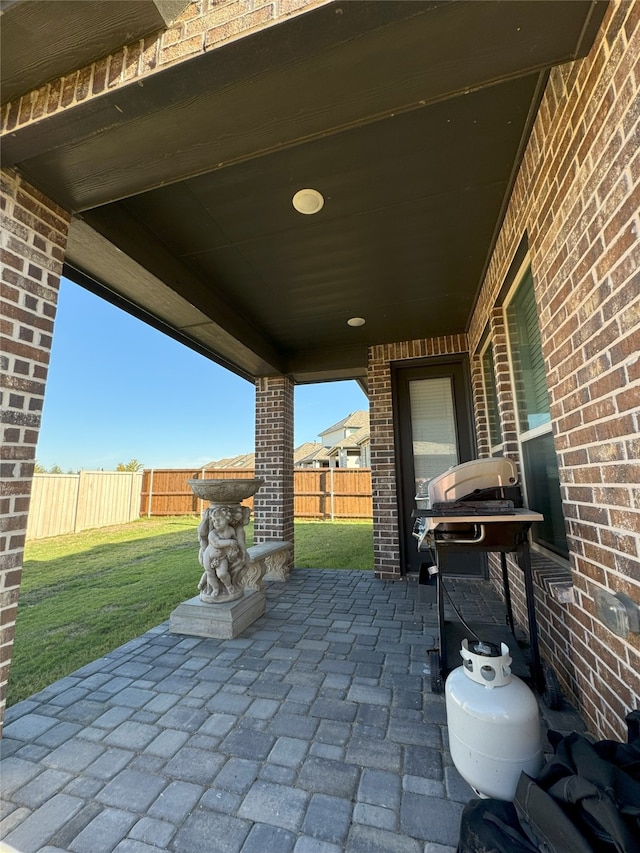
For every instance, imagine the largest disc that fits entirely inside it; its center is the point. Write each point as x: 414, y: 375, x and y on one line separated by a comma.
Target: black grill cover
x: 585, y: 800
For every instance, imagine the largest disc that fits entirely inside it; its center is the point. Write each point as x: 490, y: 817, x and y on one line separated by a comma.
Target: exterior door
x: 434, y: 431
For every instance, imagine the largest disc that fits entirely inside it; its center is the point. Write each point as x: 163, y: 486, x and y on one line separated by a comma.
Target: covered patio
x: 479, y: 171
x: 311, y: 733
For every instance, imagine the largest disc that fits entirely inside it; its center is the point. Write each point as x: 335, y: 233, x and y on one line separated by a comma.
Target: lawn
x: 85, y: 594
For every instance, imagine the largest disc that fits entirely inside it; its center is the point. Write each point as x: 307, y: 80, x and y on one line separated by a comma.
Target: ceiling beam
x: 186, y: 308
x: 237, y: 102
x: 43, y: 40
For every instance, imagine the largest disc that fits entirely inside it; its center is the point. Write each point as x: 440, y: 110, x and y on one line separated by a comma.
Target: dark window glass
x: 543, y: 492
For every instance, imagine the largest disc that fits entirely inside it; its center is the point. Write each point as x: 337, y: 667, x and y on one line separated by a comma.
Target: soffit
x: 46, y: 39
x: 410, y: 118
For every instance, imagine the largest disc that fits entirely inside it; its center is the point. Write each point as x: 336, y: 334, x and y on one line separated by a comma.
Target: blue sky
x: 120, y: 390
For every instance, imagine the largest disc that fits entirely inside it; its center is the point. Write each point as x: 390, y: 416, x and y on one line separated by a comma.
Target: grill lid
x: 462, y: 480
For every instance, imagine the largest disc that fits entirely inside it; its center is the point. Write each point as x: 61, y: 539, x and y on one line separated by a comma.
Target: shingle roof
x: 248, y: 460
x: 316, y: 455
x: 309, y: 448
x: 354, y: 440
x: 355, y: 419
x: 243, y: 460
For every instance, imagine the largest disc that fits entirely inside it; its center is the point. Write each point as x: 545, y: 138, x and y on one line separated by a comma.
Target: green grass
x: 84, y: 594
x: 333, y: 545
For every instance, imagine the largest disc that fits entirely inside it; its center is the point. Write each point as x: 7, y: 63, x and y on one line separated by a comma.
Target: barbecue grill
x: 477, y: 506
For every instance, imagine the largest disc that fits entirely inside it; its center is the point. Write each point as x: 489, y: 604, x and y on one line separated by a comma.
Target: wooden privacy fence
x: 319, y: 493
x: 328, y: 493
x: 69, y: 503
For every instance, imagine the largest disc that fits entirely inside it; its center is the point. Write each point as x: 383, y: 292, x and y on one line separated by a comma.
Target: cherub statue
x: 222, y: 551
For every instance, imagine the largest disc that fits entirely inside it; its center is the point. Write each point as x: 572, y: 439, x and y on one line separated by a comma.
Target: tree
x: 39, y: 469
x: 131, y: 465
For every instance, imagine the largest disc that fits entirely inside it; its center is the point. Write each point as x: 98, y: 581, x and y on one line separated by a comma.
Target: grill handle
x: 475, y: 540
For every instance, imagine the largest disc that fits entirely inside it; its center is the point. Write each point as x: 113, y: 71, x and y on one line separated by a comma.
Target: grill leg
x: 507, y: 591
x: 525, y: 564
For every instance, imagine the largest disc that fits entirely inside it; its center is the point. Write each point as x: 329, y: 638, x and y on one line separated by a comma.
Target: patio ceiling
x: 409, y: 117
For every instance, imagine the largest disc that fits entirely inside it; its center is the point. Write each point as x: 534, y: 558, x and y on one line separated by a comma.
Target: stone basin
x: 224, y: 491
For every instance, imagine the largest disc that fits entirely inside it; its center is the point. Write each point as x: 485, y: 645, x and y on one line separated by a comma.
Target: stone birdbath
x: 230, y: 594
x: 223, y: 551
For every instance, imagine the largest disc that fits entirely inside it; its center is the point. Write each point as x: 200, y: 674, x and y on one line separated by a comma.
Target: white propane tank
x: 493, y: 720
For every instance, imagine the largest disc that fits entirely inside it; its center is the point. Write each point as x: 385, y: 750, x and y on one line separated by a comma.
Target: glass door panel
x: 433, y: 429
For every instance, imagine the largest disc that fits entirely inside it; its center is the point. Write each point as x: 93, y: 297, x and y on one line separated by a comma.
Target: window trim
x: 535, y: 432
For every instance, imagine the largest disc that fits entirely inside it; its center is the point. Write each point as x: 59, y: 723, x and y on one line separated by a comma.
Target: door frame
x: 456, y: 367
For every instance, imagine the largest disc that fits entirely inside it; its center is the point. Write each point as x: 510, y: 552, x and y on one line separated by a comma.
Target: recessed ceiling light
x: 308, y: 201
x: 356, y: 321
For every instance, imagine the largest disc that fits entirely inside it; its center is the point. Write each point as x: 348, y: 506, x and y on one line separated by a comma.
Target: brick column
x: 386, y: 542
x: 32, y: 245
x: 273, y: 505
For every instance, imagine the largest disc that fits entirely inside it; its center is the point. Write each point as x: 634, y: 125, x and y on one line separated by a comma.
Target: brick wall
x: 386, y: 541
x: 203, y: 26
x: 32, y: 243
x: 577, y: 199
x: 273, y: 504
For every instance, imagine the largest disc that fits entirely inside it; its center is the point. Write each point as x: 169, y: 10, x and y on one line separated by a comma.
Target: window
x: 526, y: 353
x: 537, y: 451
x: 491, y: 401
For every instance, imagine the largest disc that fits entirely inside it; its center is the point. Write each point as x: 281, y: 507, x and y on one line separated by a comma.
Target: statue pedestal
x: 223, y: 621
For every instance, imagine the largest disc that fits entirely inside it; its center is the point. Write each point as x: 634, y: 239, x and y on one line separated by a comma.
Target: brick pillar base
x: 32, y: 246
x: 273, y: 504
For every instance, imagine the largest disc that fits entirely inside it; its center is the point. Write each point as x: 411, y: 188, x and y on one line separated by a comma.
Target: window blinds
x: 433, y: 428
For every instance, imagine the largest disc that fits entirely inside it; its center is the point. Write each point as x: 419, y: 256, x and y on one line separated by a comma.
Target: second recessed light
x: 308, y: 201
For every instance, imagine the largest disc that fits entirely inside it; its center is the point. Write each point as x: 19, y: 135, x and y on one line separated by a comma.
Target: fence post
x: 150, y: 494
x: 331, y: 489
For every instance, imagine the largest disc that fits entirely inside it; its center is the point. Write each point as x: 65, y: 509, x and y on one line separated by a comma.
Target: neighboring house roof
x: 355, y: 419
x: 352, y: 441
x: 248, y: 460
x: 315, y: 456
x: 305, y: 451
x: 310, y: 451
x: 243, y: 460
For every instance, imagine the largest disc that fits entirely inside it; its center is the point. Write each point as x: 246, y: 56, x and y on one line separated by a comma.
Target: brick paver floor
x: 313, y: 732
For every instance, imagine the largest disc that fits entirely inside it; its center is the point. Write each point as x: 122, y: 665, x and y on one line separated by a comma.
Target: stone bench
x: 271, y: 560
x: 226, y: 620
